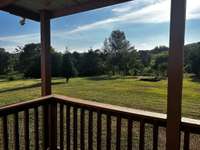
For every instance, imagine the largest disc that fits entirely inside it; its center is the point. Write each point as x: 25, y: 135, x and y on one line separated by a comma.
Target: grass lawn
x: 129, y: 92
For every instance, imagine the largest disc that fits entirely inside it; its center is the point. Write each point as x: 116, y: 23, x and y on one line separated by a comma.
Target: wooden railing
x: 59, y: 122
x: 16, y: 130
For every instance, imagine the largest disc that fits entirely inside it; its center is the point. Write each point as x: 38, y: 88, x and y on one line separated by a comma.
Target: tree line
x: 116, y: 57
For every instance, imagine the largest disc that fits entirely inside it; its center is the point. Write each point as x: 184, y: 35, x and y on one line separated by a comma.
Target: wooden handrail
x: 149, y: 117
x: 17, y: 107
x: 74, y: 107
x: 113, y: 109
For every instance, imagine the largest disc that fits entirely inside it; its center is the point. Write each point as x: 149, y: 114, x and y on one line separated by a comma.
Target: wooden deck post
x: 45, y: 53
x: 45, y: 73
x: 175, y: 73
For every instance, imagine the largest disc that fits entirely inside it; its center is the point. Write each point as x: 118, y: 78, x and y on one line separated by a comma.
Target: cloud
x: 193, y: 9
x: 10, y: 42
x: 122, y: 9
x: 149, y: 14
x: 132, y: 6
x: 138, y: 11
x: 153, y: 11
x: 21, y: 39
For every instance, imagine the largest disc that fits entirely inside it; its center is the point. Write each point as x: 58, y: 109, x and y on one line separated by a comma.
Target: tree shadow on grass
x: 100, y: 78
x: 107, y: 77
x: 195, y: 79
x: 150, y: 79
x: 28, y: 87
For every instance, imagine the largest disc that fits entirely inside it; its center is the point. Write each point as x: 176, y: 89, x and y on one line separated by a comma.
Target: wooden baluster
x: 75, y: 128
x: 53, y: 126
x: 36, y: 128
x: 90, y: 131
x: 68, y: 126
x: 61, y: 127
x: 186, y: 140
x: 99, y: 126
x: 16, y: 131
x: 82, y: 129
x: 45, y: 127
x: 118, y: 139
x: 155, y: 136
x: 130, y: 126
x: 26, y: 129
x: 142, y: 131
x: 108, y: 138
x: 5, y: 133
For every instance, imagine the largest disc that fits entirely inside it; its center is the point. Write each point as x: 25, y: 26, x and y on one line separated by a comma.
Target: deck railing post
x: 175, y: 73
x: 45, y: 69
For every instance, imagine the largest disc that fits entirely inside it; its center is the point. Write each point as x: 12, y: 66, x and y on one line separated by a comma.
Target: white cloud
x: 122, y: 9
x: 138, y: 11
x: 132, y: 6
x: 20, y: 39
x: 149, y: 14
x: 144, y: 46
x: 11, y: 42
x: 17, y: 38
x: 157, y: 11
x: 193, y: 9
x: 153, y: 13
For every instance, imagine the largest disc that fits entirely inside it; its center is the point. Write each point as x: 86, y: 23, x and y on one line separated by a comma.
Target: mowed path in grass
x: 129, y: 92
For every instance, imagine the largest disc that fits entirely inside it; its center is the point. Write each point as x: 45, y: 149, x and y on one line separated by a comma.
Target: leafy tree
x: 91, y: 63
x: 192, y: 58
x: 29, y: 60
x: 118, y: 42
x: 116, y: 56
x: 160, y: 65
x: 134, y: 64
x: 76, y: 58
x: 145, y: 57
x: 68, y: 68
x: 106, y: 47
x: 127, y: 60
x: 195, y: 61
x: 14, y: 62
x: 4, y: 61
x: 159, y: 49
x: 117, y: 47
x: 56, y: 63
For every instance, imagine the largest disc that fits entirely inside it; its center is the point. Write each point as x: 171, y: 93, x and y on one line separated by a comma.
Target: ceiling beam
x: 85, y: 6
x: 22, y: 12
x: 4, y: 3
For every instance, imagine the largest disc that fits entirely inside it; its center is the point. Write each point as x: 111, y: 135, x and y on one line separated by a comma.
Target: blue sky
x: 145, y: 22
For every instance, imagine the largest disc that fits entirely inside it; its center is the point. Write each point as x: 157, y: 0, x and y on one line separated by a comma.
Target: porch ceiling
x: 57, y: 8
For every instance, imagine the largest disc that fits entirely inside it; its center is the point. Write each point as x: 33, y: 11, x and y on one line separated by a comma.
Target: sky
x: 145, y: 23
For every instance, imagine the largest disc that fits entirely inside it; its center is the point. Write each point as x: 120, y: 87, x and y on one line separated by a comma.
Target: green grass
x: 129, y: 92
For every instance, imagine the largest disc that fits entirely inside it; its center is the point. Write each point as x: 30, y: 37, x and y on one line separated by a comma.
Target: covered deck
x: 66, y: 123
